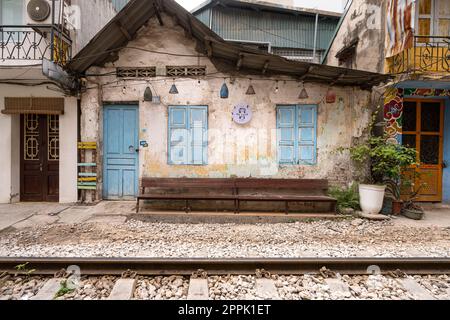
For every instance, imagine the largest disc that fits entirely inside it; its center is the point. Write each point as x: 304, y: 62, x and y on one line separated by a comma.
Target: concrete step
x: 123, y: 289
x: 416, y: 290
x: 49, y: 290
x: 198, y: 289
x: 265, y: 288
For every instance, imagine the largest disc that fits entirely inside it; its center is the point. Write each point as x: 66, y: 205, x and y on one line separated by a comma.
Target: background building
x: 273, y: 26
x: 38, y: 117
x: 415, y: 37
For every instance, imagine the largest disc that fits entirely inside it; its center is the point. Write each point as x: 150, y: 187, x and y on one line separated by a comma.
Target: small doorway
x: 39, y: 165
x: 423, y: 129
x: 120, y: 154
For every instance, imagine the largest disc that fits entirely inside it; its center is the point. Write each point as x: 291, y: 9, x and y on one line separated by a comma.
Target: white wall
x: 68, y: 139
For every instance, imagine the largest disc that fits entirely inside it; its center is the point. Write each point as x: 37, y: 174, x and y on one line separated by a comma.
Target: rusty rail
x: 145, y: 266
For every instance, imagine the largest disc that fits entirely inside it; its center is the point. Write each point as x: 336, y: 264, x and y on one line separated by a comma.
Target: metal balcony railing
x: 33, y: 43
x: 428, y: 54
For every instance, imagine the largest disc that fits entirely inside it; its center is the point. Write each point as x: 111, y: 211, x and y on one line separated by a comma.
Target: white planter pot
x: 371, y: 198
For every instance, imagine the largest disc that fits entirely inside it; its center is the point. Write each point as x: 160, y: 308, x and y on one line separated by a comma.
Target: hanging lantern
x: 303, y: 93
x: 277, y: 88
x: 173, y: 89
x: 224, y: 91
x: 148, y: 95
x: 250, y: 90
x: 331, y: 96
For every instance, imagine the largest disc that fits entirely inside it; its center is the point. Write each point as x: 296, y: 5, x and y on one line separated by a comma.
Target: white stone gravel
x: 321, y: 238
x: 232, y: 288
x: 162, y: 288
x: 20, y: 288
x: 91, y: 288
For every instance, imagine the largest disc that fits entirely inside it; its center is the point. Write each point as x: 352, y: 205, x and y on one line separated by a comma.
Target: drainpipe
x: 315, y: 36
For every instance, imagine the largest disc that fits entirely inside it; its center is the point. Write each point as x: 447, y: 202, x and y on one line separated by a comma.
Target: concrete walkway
x: 24, y: 215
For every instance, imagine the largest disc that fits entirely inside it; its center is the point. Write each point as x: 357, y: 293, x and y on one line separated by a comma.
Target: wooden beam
x: 305, y: 74
x: 240, y: 61
x: 158, y: 14
x: 209, y: 48
x: 341, y: 76
x: 189, y: 26
x: 124, y: 31
x: 266, y: 65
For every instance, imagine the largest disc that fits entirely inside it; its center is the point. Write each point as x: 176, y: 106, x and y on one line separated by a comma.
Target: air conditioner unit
x: 41, y: 12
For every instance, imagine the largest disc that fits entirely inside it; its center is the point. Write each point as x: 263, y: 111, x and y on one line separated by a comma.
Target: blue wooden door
x: 120, y: 154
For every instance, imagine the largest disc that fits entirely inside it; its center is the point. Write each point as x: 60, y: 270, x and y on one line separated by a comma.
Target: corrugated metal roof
x: 264, y: 5
x: 280, y: 30
x: 123, y: 27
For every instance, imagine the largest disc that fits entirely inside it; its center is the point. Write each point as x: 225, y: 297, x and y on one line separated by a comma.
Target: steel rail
x: 150, y: 266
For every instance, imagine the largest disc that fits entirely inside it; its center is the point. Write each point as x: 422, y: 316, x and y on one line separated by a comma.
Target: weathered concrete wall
x: 365, y: 20
x: 95, y: 14
x: 233, y: 150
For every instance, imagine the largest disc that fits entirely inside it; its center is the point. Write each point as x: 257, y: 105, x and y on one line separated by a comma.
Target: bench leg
x: 287, y: 207
x: 187, y: 208
x: 238, y: 209
x: 137, y: 205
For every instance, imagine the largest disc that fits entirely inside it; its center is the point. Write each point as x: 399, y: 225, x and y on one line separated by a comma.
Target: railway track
x: 150, y: 266
x: 202, y: 279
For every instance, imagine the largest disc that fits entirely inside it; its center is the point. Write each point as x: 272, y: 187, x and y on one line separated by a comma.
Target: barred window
x: 185, y: 71
x: 146, y: 72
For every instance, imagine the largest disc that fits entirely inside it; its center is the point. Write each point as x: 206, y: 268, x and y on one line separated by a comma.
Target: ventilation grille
x: 147, y: 72
x: 185, y: 71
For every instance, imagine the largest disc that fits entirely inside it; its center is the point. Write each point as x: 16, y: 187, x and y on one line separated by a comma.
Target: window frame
x: 188, y: 109
x: 434, y: 16
x: 297, y: 127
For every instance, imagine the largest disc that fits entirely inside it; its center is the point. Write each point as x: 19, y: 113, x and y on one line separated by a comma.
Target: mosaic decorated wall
x: 393, y: 107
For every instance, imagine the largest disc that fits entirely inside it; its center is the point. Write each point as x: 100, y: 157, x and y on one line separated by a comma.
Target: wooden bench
x: 175, y: 189
x: 236, y: 190
x: 315, y: 191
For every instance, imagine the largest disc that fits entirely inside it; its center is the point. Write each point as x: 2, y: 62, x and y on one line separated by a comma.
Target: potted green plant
x: 393, y: 194
x: 386, y: 161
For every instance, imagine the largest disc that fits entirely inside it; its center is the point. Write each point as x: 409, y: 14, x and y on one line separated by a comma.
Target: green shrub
x: 346, y: 197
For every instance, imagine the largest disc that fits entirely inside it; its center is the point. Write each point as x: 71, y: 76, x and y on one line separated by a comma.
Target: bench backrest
x: 179, y: 183
x: 297, y: 184
x: 235, y: 183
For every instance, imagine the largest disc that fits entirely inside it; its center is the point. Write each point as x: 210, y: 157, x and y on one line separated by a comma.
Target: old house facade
x: 416, y: 51
x: 166, y: 97
x: 38, y: 114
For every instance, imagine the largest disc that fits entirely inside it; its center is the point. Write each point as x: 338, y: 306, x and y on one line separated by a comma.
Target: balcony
x: 25, y: 45
x: 429, y: 54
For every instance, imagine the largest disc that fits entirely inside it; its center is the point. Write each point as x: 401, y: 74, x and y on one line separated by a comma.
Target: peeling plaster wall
x: 365, y: 20
x: 250, y: 150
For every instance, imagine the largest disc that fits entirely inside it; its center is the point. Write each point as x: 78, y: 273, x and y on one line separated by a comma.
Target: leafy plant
x: 346, y: 197
x: 387, y: 160
x: 63, y: 290
x: 23, y: 268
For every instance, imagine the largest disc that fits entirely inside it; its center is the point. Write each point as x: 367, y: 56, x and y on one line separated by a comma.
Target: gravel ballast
x: 322, y: 238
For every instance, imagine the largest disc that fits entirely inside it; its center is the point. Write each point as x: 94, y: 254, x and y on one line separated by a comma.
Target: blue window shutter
x: 188, y: 135
x: 307, y: 134
x: 286, y: 125
x: 178, y: 135
x: 198, y: 135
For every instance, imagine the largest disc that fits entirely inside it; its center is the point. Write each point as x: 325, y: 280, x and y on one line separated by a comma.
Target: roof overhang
x: 123, y: 27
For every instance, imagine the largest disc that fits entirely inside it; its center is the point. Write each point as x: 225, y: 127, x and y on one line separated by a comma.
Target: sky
x: 328, y: 5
